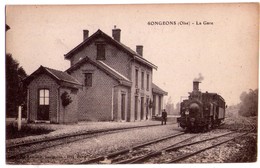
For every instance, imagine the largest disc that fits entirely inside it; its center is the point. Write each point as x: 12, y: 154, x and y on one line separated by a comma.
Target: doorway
x: 44, y: 104
x: 123, y: 106
x: 142, y: 108
x: 136, y: 107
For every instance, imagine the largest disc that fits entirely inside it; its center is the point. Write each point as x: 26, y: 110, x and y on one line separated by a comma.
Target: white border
x: 54, y: 2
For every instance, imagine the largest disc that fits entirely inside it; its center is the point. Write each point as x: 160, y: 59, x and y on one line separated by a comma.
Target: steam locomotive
x: 201, y: 111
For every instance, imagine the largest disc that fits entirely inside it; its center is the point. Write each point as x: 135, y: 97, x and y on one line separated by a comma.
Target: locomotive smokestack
x: 196, y: 85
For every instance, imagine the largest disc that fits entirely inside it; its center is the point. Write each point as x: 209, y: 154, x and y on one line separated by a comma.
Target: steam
x: 200, y: 78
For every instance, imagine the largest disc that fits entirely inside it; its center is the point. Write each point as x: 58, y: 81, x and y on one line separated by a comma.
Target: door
x: 142, y: 108
x: 147, y: 108
x: 136, y: 106
x: 123, y: 106
x: 44, y: 104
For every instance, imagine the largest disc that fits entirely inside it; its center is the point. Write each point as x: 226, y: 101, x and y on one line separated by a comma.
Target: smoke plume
x: 200, y: 78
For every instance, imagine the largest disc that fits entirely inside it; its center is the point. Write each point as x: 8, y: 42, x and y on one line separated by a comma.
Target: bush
x: 12, y: 131
x: 66, y: 99
x: 249, y: 103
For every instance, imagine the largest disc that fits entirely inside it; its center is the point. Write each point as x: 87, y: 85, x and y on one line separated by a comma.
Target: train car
x: 201, y: 111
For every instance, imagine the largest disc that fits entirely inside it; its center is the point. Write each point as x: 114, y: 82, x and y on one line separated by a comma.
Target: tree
x: 243, y: 96
x: 15, y: 91
x: 169, y: 106
x: 249, y: 103
x: 177, y: 111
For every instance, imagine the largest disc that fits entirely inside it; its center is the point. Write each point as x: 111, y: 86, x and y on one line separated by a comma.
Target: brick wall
x: 118, y: 91
x: 95, y: 103
x: 115, y: 104
x: 143, y: 92
x: 69, y: 113
x: 118, y: 60
x: 40, y: 82
x: 124, y: 64
x: 89, y: 51
x: 115, y: 58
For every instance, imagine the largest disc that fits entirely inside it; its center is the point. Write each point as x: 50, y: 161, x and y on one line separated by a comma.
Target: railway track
x: 162, y: 152
x: 247, y: 125
x: 21, y: 149
x: 137, y: 155
x: 145, y: 152
x: 144, y: 158
x: 184, y: 156
x: 175, y: 156
x: 115, y: 156
x: 239, y: 124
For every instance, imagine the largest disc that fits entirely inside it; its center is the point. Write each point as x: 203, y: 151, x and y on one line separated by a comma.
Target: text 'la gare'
x: 204, y: 23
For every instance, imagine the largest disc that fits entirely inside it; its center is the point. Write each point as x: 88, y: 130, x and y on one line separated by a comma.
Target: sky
x: 224, y: 54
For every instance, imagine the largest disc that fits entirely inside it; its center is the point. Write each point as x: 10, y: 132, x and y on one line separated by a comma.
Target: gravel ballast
x: 96, y: 146
x: 239, y: 150
x: 61, y: 130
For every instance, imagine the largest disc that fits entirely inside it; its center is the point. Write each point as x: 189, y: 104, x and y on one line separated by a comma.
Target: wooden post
x: 19, y: 118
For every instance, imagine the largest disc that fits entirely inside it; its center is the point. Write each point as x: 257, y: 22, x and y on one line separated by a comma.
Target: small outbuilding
x: 52, y: 96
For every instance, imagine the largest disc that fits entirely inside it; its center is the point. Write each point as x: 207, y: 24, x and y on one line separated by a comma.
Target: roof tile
x: 64, y: 76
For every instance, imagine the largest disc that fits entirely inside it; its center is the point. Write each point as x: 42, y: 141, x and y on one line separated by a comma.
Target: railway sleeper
x: 202, y: 150
x: 111, y: 155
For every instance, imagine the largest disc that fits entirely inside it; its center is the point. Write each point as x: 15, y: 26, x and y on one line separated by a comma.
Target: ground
x: 241, y: 150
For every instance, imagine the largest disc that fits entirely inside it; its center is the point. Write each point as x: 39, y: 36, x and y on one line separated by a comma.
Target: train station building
x: 106, y: 81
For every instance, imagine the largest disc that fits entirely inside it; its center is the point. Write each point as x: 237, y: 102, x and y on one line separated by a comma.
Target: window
x: 148, y: 84
x: 88, y: 79
x: 101, y: 52
x: 44, y: 97
x: 136, y: 77
x: 142, y: 80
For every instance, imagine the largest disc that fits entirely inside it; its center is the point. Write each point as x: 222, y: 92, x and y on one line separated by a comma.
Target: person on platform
x: 164, y: 117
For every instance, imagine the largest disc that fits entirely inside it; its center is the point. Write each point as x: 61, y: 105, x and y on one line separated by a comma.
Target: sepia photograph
x: 131, y: 83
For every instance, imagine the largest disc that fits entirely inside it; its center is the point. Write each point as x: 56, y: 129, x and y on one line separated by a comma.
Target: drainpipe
x: 112, y: 104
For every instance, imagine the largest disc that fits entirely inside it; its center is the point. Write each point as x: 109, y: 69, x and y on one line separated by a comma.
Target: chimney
x: 85, y: 34
x: 116, y: 34
x: 139, y: 49
x: 196, y: 85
